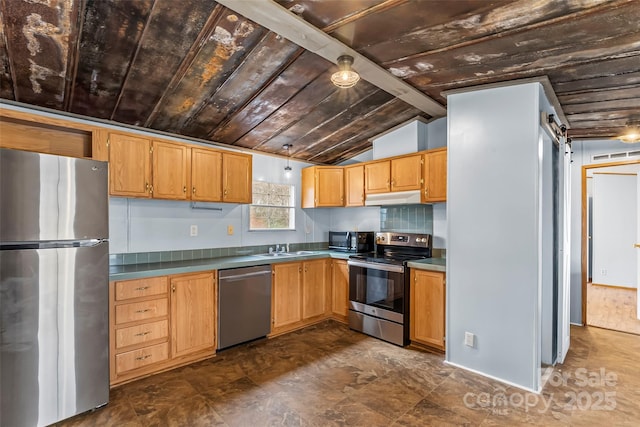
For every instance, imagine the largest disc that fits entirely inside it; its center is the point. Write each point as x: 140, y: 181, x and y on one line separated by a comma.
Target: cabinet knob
x: 193, y: 190
x: 146, y: 185
x: 426, y: 192
x: 151, y: 190
x: 184, y: 189
x: 173, y: 288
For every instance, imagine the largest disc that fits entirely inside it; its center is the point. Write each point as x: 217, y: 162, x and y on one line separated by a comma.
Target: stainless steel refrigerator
x: 54, y: 272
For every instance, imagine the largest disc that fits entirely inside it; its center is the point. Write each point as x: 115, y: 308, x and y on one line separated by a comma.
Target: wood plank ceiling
x: 200, y: 70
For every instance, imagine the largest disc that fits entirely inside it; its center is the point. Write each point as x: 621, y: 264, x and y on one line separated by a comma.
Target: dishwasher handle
x: 244, y: 276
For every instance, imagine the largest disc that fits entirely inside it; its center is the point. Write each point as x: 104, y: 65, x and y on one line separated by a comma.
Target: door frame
x: 585, y: 237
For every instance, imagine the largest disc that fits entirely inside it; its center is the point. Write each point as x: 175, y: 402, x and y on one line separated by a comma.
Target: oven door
x: 378, y: 289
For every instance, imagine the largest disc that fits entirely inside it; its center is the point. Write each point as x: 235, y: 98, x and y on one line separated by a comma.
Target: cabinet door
x: 427, y: 308
x: 314, y: 288
x: 340, y: 289
x: 435, y: 176
x: 287, y: 294
x: 171, y: 170
x: 354, y: 185
x: 192, y: 313
x: 236, y: 178
x: 377, y: 177
x: 206, y: 175
x: 329, y: 187
x: 406, y: 173
x: 129, y: 165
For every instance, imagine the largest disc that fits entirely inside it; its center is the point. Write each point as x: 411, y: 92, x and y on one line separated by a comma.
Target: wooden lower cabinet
x: 300, y: 295
x: 427, y: 310
x: 159, y: 323
x: 192, y: 314
x: 340, y: 290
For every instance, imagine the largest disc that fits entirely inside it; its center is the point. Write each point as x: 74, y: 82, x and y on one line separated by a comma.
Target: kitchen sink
x: 304, y: 252
x: 277, y: 254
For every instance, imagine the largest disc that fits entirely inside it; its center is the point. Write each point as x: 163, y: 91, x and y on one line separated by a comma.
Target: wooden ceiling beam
x: 281, y: 21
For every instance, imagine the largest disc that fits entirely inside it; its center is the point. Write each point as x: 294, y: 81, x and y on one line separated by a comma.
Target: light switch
x: 193, y: 230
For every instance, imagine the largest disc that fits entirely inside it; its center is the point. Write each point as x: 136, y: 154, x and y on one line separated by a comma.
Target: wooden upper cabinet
x: 322, y: 186
x: 406, y: 173
x: 206, y: 175
x: 192, y: 313
x: 377, y: 177
x: 171, y: 170
x: 236, y: 177
x: 435, y: 176
x: 129, y: 165
x: 354, y: 185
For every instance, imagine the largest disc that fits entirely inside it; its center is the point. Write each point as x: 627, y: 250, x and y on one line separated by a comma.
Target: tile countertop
x: 137, y: 271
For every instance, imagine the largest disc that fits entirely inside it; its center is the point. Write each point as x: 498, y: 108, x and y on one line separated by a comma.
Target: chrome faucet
x: 277, y: 248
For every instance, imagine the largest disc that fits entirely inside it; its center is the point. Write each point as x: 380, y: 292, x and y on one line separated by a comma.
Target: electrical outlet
x: 230, y: 230
x: 603, y: 271
x: 469, y: 339
x: 193, y: 231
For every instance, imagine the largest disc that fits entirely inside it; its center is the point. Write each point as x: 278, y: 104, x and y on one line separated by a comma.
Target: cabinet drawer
x: 141, y: 333
x: 141, y: 288
x: 141, y: 310
x: 138, y: 358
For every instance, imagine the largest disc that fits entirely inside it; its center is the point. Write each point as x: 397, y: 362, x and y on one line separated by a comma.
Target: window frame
x: 291, y: 207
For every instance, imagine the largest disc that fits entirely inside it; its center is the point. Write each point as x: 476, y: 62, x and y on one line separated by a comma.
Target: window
x: 273, y: 207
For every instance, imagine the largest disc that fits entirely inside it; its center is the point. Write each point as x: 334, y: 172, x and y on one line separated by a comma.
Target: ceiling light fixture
x: 287, y: 169
x: 631, y: 133
x: 345, y: 77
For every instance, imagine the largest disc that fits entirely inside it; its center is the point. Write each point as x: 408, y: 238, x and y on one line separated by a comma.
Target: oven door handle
x: 377, y: 266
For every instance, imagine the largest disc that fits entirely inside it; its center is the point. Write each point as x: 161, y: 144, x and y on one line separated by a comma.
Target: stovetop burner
x: 398, y: 248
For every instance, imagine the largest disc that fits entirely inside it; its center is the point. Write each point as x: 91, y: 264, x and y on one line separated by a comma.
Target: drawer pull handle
x: 143, y: 357
x: 143, y: 311
x: 141, y: 288
x: 141, y: 334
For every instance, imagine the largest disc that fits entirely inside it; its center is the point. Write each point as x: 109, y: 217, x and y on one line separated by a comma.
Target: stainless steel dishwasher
x: 244, y: 304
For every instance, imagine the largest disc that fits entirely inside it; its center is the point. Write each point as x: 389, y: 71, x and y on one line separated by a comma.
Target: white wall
x: 494, y: 248
x: 140, y: 225
x: 614, y: 230
x: 583, y: 150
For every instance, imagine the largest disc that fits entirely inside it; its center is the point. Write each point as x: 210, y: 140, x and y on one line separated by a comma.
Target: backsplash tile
x: 407, y: 218
x: 167, y: 256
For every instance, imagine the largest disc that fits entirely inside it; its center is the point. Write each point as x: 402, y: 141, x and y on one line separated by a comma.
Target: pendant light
x: 631, y: 133
x: 287, y: 169
x: 345, y: 77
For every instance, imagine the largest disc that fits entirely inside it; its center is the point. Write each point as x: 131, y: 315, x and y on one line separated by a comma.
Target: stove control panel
x: 404, y: 239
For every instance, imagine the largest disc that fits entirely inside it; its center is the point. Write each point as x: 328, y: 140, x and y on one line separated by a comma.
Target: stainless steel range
x: 379, y: 285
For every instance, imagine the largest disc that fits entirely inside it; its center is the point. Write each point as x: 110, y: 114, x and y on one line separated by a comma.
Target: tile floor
x: 327, y: 375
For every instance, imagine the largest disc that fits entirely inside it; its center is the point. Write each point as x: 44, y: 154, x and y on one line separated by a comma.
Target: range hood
x: 395, y: 198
